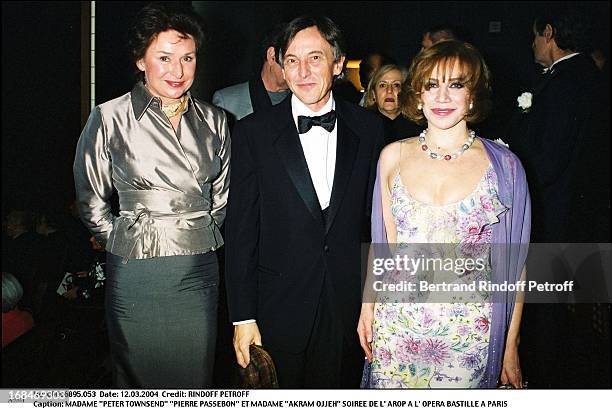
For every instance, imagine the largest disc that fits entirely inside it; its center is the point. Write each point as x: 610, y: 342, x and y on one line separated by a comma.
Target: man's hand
x: 244, y: 336
x: 364, y: 328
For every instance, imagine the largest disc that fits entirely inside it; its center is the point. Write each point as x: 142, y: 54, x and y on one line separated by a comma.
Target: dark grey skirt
x: 161, y: 315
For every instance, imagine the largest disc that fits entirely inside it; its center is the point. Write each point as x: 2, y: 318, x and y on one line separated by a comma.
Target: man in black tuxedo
x: 563, y: 139
x: 563, y: 143
x: 299, y: 206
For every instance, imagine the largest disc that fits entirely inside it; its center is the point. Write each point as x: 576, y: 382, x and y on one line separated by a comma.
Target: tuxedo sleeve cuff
x: 244, y: 322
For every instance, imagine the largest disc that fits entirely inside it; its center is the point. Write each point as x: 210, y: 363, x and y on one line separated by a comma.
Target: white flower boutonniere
x: 524, y: 101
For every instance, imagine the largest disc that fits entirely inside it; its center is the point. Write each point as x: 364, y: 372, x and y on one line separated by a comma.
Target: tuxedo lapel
x: 345, y: 156
x: 290, y: 151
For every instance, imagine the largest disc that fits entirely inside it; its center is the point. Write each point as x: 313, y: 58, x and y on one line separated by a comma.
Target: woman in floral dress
x: 460, y: 194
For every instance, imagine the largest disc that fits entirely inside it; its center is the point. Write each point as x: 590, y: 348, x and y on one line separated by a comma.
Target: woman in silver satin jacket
x: 167, y: 155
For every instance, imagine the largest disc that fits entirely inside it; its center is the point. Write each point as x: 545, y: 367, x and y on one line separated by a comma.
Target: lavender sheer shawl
x: 508, y: 260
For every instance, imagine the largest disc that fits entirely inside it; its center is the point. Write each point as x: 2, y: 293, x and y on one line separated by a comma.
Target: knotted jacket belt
x: 157, y: 223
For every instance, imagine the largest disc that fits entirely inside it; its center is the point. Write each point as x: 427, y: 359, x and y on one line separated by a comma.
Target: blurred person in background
x: 382, y: 95
x: 441, y: 32
x: 266, y: 89
x: 20, y: 253
x: 15, y: 322
x: 369, y: 64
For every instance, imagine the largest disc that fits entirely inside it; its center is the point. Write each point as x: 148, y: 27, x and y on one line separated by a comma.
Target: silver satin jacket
x: 172, y: 186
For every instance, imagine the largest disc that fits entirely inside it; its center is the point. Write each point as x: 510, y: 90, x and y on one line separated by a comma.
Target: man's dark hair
x: 158, y: 17
x: 443, y: 32
x: 366, y: 69
x: 328, y: 29
x: 571, y: 28
x: 271, y: 39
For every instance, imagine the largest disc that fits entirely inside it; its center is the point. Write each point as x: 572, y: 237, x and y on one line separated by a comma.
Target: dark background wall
x: 393, y: 26
x: 42, y: 64
x: 41, y: 71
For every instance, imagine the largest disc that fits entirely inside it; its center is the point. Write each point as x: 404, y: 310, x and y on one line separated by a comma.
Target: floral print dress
x: 430, y: 344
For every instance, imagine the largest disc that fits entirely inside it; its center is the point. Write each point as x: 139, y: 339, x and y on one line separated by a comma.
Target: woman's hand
x: 511, y: 367
x: 364, y: 328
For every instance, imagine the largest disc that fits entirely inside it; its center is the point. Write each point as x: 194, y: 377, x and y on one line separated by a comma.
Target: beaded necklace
x: 438, y: 156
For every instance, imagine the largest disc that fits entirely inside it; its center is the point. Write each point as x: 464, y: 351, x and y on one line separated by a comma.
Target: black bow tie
x: 327, y: 121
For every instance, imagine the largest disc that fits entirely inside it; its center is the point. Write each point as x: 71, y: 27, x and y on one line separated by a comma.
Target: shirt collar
x: 299, y: 108
x: 142, y: 99
x: 565, y: 57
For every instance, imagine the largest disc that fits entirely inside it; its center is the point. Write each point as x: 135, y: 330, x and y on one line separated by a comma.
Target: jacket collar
x: 558, y: 67
x: 287, y: 143
x: 142, y: 100
x: 565, y: 57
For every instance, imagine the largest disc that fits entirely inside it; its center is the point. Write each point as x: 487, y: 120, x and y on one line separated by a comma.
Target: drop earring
x: 471, y: 105
x: 420, y: 106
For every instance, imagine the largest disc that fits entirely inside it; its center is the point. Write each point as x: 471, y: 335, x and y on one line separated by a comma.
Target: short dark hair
x: 571, y: 28
x: 328, y: 29
x: 366, y: 69
x: 158, y: 17
x: 443, y: 32
x: 444, y: 55
x: 270, y: 39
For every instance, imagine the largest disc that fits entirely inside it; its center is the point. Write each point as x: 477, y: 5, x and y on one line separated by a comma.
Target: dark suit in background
x: 243, y: 99
x: 563, y: 142
x: 263, y: 90
x: 399, y: 128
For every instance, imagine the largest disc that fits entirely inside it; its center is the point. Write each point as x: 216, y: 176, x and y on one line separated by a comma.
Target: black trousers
x: 330, y: 360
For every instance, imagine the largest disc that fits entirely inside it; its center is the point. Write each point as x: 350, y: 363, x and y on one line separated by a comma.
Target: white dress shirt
x: 319, y: 148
